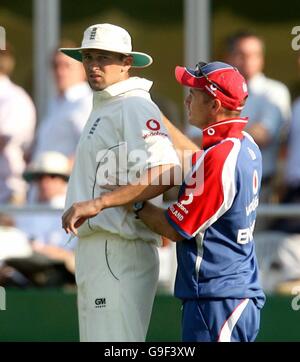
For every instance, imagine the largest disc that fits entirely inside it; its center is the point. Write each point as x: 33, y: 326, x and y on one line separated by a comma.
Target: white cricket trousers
x: 117, y: 281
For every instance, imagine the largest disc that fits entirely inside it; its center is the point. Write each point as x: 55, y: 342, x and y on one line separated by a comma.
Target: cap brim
x: 140, y: 60
x: 33, y: 175
x: 187, y: 77
x: 73, y: 53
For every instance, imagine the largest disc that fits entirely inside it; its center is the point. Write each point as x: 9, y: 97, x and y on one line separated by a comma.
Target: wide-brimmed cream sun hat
x: 48, y: 163
x: 111, y: 38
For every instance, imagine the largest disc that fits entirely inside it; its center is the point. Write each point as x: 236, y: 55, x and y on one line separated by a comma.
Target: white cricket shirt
x: 292, y: 172
x: 123, y: 118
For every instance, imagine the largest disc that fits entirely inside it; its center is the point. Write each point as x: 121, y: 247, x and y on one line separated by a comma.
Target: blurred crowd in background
x: 36, y: 157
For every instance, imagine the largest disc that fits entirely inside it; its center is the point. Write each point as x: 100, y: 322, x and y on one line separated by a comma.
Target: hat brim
x: 188, y: 78
x: 140, y: 60
x: 33, y: 175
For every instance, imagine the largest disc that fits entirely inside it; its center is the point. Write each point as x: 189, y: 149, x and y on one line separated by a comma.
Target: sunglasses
x: 199, y: 73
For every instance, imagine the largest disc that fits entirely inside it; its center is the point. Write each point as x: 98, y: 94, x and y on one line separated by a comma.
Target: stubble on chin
x: 95, y: 87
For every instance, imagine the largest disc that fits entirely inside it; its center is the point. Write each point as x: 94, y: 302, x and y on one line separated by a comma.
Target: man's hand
x: 78, y: 213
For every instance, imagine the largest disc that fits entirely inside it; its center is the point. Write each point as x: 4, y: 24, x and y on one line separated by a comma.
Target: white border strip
x: 226, y: 330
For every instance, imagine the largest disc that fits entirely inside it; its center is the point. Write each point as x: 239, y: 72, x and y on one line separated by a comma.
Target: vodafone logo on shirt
x: 153, y: 124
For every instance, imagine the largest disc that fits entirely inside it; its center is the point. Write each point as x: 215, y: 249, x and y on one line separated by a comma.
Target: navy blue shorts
x: 225, y: 320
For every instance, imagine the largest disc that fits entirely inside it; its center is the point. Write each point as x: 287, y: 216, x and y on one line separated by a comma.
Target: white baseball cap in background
x: 111, y: 38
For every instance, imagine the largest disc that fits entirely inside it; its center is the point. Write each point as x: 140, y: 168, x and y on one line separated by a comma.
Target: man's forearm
x: 156, y: 181
x: 155, y: 219
x: 131, y: 193
x: 79, y: 212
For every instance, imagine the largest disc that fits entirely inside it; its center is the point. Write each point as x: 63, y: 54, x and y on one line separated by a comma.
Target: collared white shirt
x: 124, y: 124
x: 275, y: 91
x: 17, y: 124
x: 292, y: 174
x: 66, y: 116
x: 268, y: 103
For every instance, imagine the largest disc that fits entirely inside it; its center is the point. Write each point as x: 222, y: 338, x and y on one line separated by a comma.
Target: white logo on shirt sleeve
x: 245, y: 235
x: 176, y: 213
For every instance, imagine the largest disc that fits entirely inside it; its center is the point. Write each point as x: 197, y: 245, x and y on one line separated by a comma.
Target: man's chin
x: 96, y: 86
x: 192, y: 122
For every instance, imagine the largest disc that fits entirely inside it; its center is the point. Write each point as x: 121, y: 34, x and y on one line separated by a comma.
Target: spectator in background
x: 279, y: 250
x: 68, y: 111
x: 51, y: 261
x: 17, y: 124
x: 50, y: 172
x: 13, y: 244
x: 292, y: 174
x: 18, y: 245
x: 268, y: 104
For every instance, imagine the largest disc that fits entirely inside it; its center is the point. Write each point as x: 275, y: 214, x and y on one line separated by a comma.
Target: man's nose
x: 94, y: 64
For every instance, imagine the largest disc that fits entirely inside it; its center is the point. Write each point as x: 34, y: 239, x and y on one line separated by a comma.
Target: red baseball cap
x: 220, y: 80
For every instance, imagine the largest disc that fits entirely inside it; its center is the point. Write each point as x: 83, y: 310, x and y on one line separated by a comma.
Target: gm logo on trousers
x: 2, y: 299
x: 100, y: 302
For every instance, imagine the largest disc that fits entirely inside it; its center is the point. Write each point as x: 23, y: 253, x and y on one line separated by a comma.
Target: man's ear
x: 127, y: 62
x: 216, y: 106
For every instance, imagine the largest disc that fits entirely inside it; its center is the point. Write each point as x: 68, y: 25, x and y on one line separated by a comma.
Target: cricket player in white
x: 116, y: 258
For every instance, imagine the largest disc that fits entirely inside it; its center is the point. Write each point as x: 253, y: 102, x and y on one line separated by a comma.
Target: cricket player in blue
x: 214, y: 217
